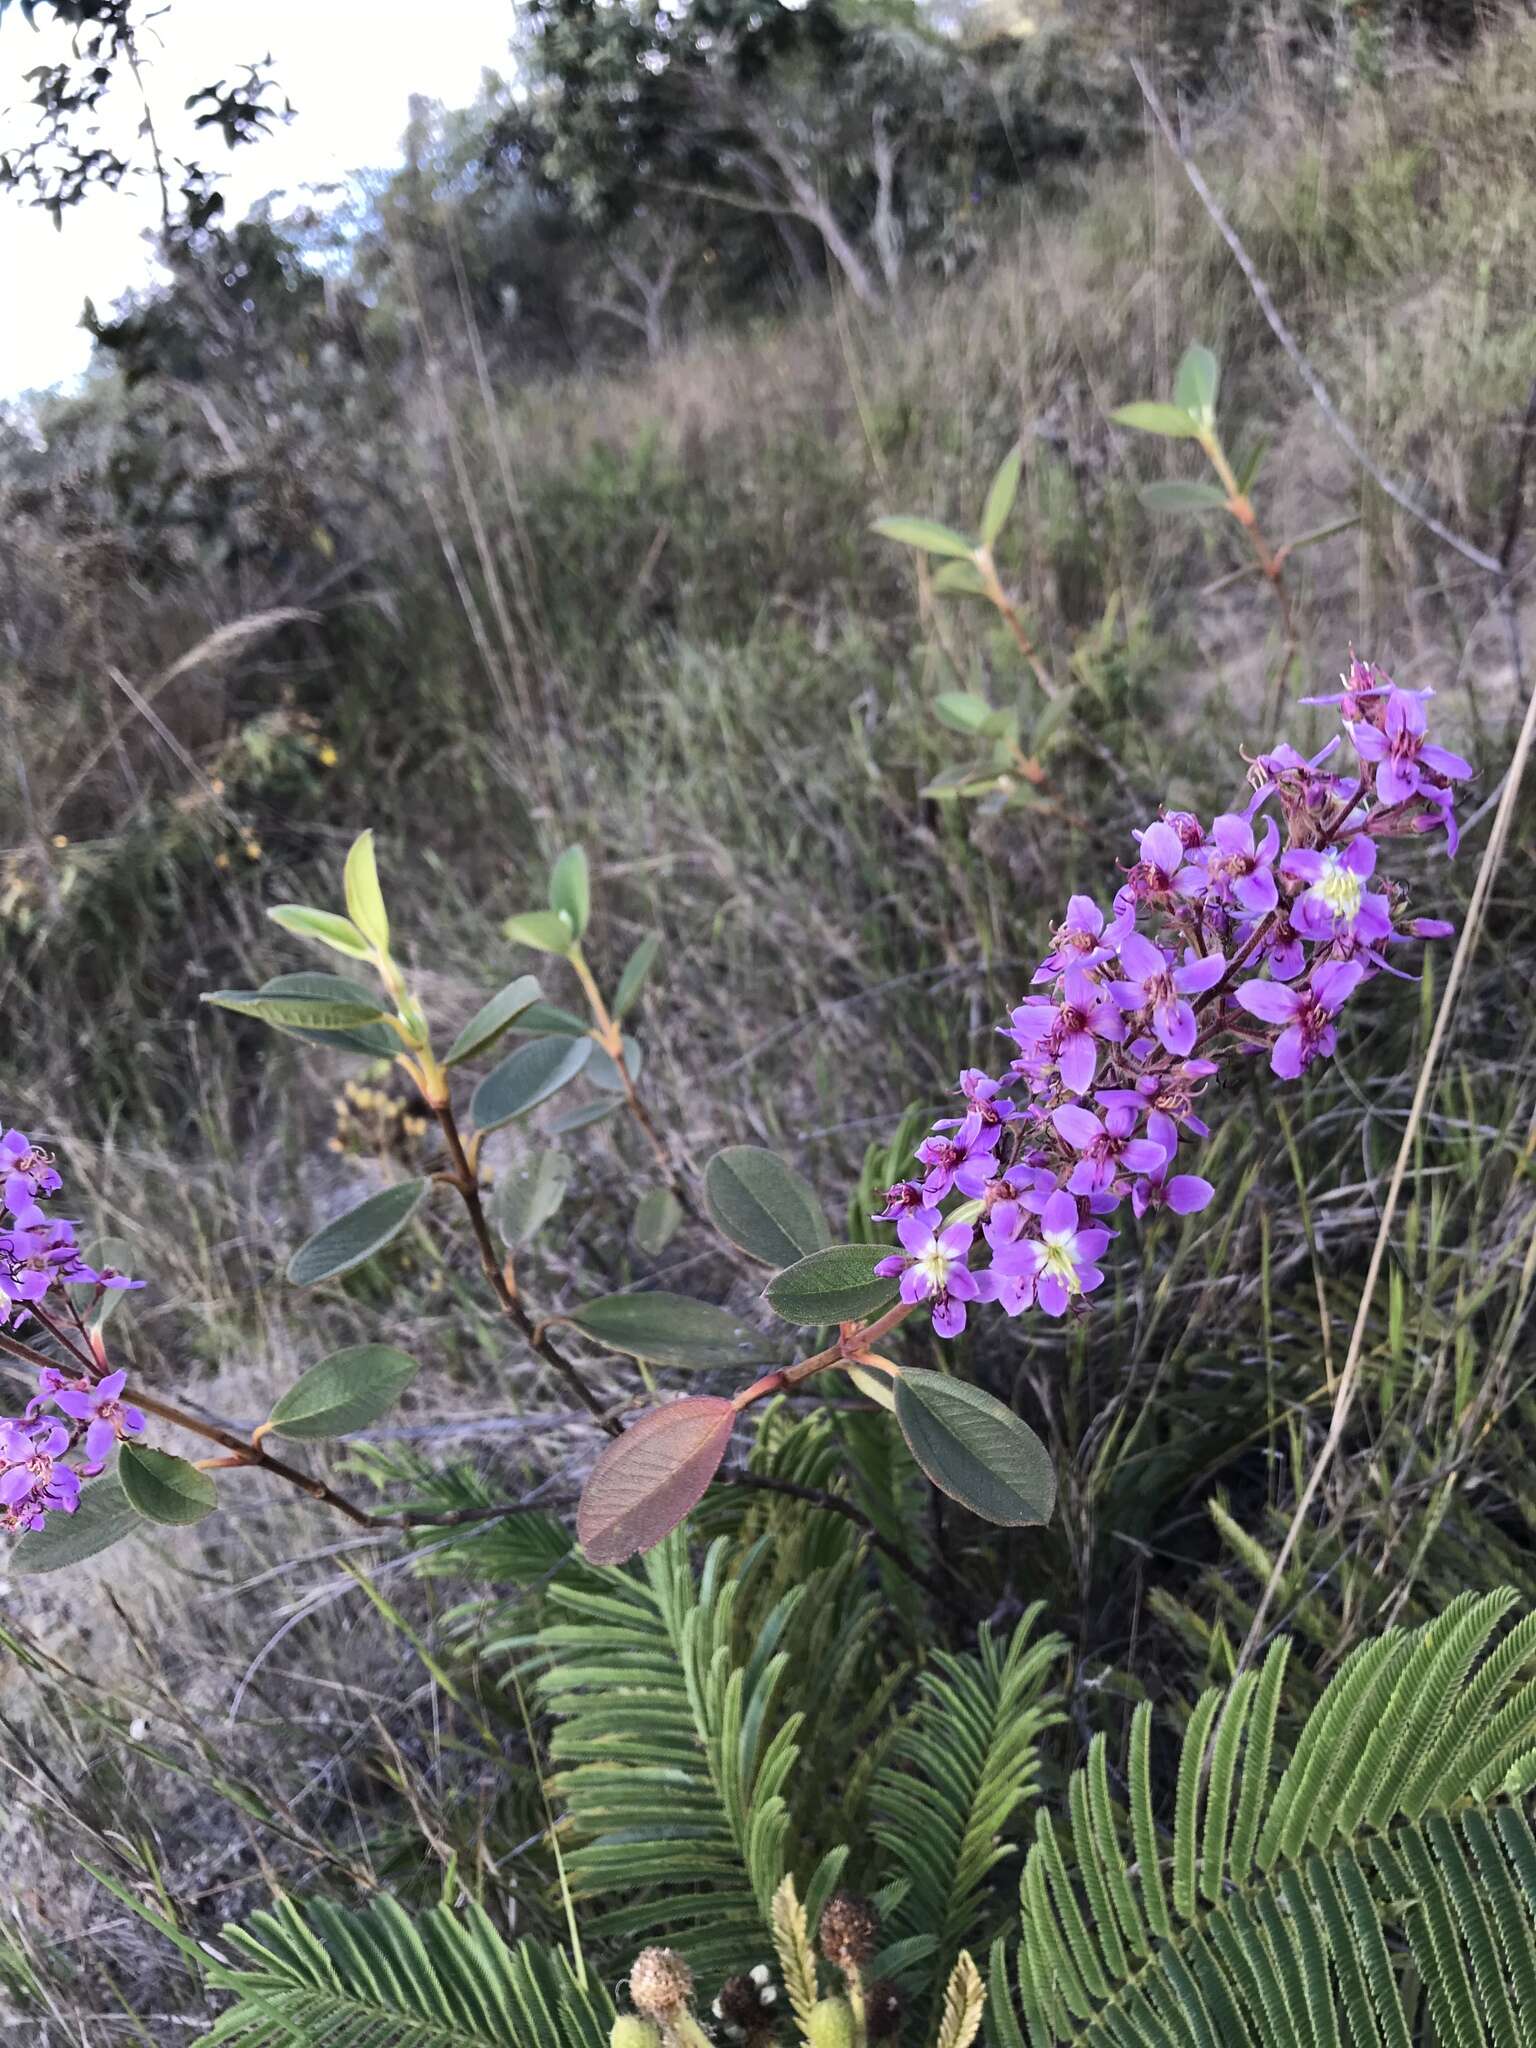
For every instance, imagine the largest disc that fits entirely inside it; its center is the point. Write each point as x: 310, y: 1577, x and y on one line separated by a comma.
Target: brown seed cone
x: 660, y: 1982
x: 882, y: 2010
x: 741, y: 2003
x: 850, y: 1930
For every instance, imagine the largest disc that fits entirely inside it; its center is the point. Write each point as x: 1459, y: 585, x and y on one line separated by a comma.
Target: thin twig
x: 467, y: 1183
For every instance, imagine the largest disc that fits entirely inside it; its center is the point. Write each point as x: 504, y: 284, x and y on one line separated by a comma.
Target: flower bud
x: 850, y: 1930
x: 831, y: 2024
x: 630, y: 2031
x: 660, y: 1983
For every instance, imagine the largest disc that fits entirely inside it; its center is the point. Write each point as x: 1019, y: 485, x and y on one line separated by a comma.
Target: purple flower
x: 1024, y: 1187
x: 1440, y: 815
x: 1153, y: 983
x: 1168, y: 1097
x: 1080, y: 939
x: 1294, y: 775
x: 983, y: 1100
x: 33, y: 1483
x: 1307, y: 1013
x: 1155, y: 876
x: 1400, y: 753
x: 933, y: 1268
x: 106, y: 1416
x: 1182, y: 1194
x: 1107, y: 1147
x: 1363, y: 682
x: 1062, y: 1035
x: 902, y: 1199
x: 1336, y: 898
x: 964, y: 1161
x: 1239, y: 868
x: 1060, y: 1261
x: 26, y: 1171
x: 1280, y: 949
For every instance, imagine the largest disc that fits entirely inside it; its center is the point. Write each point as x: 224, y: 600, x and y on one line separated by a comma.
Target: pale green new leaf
x: 365, y: 899
x: 926, y: 534
x: 1001, y: 494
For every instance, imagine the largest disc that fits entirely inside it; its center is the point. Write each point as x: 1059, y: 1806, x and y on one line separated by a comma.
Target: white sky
x: 348, y: 66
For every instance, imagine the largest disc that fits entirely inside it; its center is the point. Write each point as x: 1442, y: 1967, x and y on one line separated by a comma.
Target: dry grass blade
x: 223, y: 644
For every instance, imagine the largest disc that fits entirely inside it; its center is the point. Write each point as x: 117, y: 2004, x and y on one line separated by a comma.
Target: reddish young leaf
x: 649, y: 1478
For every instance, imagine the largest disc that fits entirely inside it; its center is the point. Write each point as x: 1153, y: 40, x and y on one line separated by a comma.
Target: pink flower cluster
x: 1248, y: 936
x: 39, y: 1257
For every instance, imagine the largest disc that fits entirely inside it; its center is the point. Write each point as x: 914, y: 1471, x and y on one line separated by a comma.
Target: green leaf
x: 1178, y: 496
x: 339, y: 933
x: 356, y: 1236
x: 657, y: 1216
x: 527, y: 1195
x: 1248, y: 470
x: 104, y: 1517
x: 632, y: 980
x: 961, y: 780
x: 669, y: 1329
x: 296, y: 1012
x: 874, y: 1386
x: 960, y: 579
x: 344, y: 1392
x: 541, y: 1018
x: 1147, y: 417
x: 975, y: 1449
x: 525, y: 1078
x: 838, y: 1284
x: 365, y: 899
x: 545, y: 929
x: 926, y: 534
x: 603, y: 1071
x: 651, y: 1477
x: 378, y: 1041
x: 758, y: 1201
x: 1000, y: 496
x: 1195, y: 382
x: 962, y: 710
x: 162, y: 1488
x: 588, y: 1113
x: 493, y: 1018
x: 570, y: 889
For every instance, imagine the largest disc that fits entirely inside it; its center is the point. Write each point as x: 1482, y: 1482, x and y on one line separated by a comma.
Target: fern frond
x: 1392, y: 1852
x: 379, y: 1979
x: 955, y: 1776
